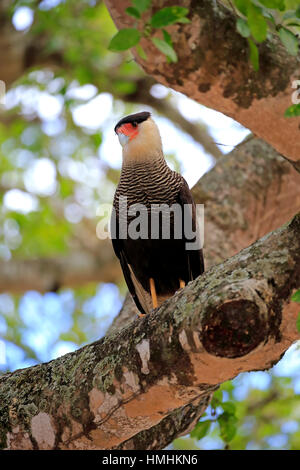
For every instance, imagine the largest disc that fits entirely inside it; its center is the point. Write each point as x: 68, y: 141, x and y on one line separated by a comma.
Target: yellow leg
x: 141, y: 314
x: 181, y: 284
x: 153, y: 293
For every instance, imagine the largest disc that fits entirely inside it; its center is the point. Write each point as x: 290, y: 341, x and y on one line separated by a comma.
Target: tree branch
x: 214, y: 69
x: 46, y: 274
x: 199, y: 132
x: 236, y: 317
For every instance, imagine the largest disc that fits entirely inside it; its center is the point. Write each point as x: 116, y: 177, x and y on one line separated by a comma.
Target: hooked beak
x: 123, y: 139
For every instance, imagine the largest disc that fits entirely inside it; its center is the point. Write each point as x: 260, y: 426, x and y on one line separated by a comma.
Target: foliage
x: 258, y: 19
x: 221, y: 412
x: 129, y: 37
x: 263, y: 416
x: 296, y: 298
x: 292, y: 111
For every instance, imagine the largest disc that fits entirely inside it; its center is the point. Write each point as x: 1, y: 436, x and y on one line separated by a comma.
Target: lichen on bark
x: 79, y: 398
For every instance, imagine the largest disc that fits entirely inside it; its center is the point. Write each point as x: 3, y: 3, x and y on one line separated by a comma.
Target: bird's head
x: 139, y: 136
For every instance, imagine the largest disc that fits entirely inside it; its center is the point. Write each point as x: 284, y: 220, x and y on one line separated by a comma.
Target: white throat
x: 146, y: 145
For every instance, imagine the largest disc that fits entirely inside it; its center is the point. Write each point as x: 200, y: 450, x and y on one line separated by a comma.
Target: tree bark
x: 214, y: 69
x: 236, y: 317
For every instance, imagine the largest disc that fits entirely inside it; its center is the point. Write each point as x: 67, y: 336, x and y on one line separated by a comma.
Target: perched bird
x: 154, y: 266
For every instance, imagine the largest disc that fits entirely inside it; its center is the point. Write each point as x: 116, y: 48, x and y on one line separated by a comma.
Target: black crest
x: 134, y: 119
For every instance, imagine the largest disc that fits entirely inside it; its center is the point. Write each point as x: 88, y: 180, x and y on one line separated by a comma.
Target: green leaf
x: 168, y: 15
x: 298, y: 323
x: 141, y: 52
x: 165, y: 48
x: 218, y: 395
x: 227, y: 386
x: 292, y: 111
x: 296, y: 296
x: 229, y: 407
x: 257, y: 23
x: 242, y: 6
x: 254, y: 54
x: 141, y: 5
x: 133, y: 12
x: 298, y: 12
x: 227, y: 423
x: 183, y: 20
x: 275, y: 4
x: 167, y: 37
x: 243, y: 28
x: 289, y: 40
x: 124, y: 39
x: 201, y: 429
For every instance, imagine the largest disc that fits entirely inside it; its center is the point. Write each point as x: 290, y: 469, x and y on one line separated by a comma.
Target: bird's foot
x: 141, y: 315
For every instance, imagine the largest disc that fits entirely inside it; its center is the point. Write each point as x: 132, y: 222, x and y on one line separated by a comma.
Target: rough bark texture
x: 214, y: 69
x: 236, y: 317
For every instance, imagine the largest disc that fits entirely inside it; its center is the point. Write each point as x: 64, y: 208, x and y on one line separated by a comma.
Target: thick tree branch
x: 214, y: 69
x: 236, y: 317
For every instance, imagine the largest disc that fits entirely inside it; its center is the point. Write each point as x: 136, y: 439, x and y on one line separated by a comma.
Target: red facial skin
x: 129, y: 130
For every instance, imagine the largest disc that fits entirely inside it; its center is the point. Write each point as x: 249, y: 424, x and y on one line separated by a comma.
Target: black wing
x: 195, y: 257
x: 118, y: 246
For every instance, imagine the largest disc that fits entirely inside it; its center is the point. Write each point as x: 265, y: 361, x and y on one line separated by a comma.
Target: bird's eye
x: 134, y: 124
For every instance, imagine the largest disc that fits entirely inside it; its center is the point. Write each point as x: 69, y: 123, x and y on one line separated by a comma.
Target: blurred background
x: 60, y: 285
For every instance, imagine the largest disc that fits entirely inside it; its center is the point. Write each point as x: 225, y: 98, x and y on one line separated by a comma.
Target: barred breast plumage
x: 148, y: 183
